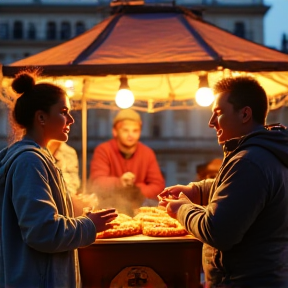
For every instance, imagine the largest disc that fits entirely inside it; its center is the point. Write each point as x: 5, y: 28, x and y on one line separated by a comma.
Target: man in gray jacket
x: 241, y: 216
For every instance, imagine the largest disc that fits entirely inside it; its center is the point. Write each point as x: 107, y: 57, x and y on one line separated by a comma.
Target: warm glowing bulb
x: 69, y: 84
x: 204, y: 96
x: 124, y: 98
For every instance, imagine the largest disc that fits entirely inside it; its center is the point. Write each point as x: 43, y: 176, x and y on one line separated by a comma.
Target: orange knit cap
x: 127, y: 114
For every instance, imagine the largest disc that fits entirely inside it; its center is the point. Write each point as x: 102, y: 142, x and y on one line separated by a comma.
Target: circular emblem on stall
x: 138, y: 277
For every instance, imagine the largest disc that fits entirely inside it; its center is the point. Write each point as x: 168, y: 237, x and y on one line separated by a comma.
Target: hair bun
x: 24, y: 82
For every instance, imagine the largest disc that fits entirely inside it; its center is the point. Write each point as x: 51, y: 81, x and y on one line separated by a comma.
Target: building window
x: 51, y: 31
x: 80, y: 28
x: 239, y: 29
x: 182, y: 167
x: 183, y: 180
x: 4, y: 31
x: 31, y: 31
x: 98, y: 123
x: 18, y: 30
x: 65, y: 30
x: 181, y: 123
x: 156, y: 124
x: 2, y: 57
x: 284, y: 43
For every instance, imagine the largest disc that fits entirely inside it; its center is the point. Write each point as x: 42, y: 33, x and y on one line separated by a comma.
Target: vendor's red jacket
x: 108, y: 165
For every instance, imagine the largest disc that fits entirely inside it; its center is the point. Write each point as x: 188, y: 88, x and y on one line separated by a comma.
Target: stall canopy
x: 162, y: 50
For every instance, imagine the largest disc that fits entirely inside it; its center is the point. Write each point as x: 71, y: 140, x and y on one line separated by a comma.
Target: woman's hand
x: 101, y: 219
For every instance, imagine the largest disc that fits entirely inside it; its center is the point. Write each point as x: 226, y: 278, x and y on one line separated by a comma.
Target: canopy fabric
x: 141, y: 42
x: 162, y: 50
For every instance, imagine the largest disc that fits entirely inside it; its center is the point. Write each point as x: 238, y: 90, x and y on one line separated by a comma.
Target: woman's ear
x: 40, y: 117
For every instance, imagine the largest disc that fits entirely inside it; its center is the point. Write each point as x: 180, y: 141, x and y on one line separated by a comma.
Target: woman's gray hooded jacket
x: 244, y: 227
x: 39, y: 236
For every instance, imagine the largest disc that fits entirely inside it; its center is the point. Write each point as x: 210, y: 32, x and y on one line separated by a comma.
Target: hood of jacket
x: 8, y: 154
x: 275, y: 141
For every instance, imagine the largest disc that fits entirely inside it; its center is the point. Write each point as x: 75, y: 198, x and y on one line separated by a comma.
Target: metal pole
x: 84, y: 138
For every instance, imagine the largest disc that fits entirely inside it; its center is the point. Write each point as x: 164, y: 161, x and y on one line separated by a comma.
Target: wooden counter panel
x: 177, y: 260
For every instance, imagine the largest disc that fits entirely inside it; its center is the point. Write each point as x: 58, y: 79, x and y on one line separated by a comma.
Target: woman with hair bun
x: 39, y: 234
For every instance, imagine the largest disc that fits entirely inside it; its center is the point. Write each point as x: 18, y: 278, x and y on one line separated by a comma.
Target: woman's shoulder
x: 26, y: 151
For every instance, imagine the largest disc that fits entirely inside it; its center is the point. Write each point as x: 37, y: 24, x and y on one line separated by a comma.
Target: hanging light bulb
x: 69, y: 84
x: 124, y: 97
x: 204, y: 95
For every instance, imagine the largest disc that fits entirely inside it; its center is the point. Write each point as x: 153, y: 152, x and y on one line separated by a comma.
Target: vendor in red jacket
x: 124, y: 172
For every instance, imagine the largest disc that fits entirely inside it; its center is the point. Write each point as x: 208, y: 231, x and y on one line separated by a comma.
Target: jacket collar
x: 232, y: 144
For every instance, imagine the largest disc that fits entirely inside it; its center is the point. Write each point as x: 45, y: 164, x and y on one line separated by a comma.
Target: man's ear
x: 114, y: 132
x: 246, y: 114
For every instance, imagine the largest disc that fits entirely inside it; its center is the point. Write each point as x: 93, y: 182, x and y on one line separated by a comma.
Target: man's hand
x: 127, y: 179
x: 172, y: 192
x: 102, y: 218
x: 173, y: 206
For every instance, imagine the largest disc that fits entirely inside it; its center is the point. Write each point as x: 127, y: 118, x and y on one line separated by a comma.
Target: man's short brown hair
x: 245, y: 91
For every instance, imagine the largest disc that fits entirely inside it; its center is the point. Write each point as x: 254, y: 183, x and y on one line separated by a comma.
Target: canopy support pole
x: 84, y: 138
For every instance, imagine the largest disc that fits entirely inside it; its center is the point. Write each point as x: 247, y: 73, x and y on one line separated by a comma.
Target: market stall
x: 163, y: 52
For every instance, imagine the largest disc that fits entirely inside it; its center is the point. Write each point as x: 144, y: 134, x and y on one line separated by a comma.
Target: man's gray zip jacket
x: 244, y: 226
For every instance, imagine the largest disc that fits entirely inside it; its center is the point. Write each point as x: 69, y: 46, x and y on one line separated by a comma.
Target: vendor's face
x: 225, y: 120
x: 127, y: 133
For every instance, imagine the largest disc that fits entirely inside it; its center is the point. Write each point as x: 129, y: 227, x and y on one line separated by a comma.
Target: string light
x: 124, y: 97
x: 69, y: 84
x: 204, y: 95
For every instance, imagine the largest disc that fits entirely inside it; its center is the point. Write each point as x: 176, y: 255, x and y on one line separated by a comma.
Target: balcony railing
x: 49, y: 2
x: 211, y: 2
x: 91, y: 2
